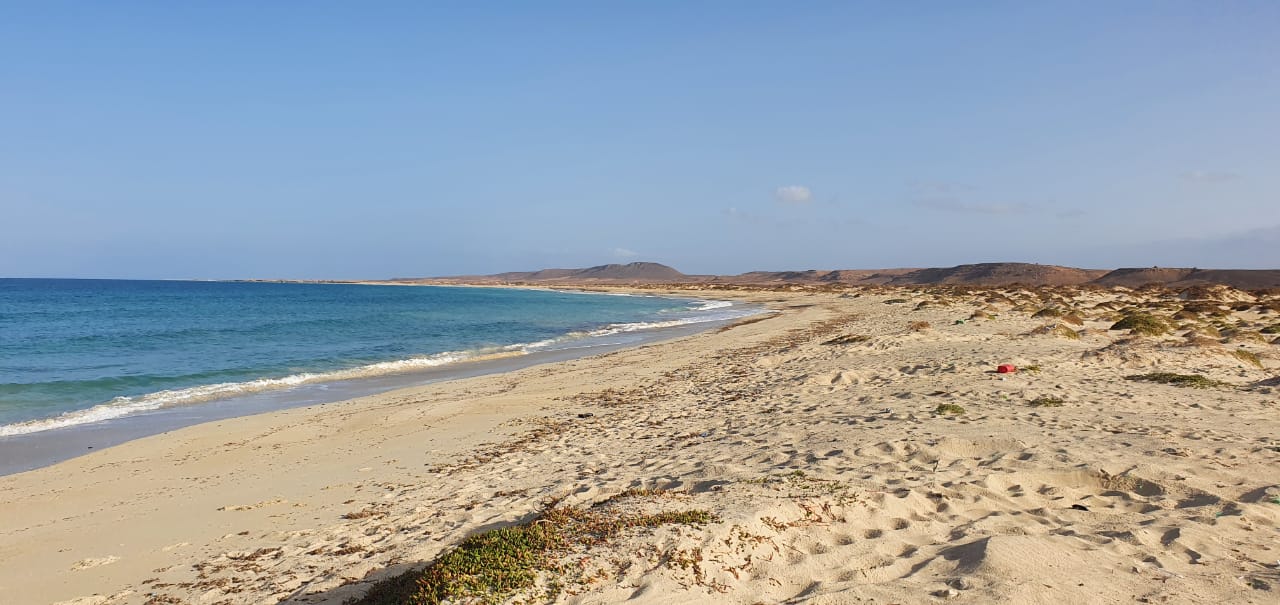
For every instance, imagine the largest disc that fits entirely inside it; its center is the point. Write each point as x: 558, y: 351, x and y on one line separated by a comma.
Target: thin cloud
x: 790, y: 221
x: 793, y: 194
x: 743, y: 216
x: 623, y: 253
x: 1209, y: 176
x: 959, y: 207
x: 941, y: 188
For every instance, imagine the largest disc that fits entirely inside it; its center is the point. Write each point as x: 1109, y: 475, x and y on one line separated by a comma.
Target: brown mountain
x: 981, y: 274
x: 1000, y: 274
x: 1244, y: 279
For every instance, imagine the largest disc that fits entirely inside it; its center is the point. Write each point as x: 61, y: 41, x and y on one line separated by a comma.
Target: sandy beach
x: 857, y: 446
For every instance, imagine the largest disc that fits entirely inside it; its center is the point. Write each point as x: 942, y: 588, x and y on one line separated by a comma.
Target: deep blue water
x: 78, y: 351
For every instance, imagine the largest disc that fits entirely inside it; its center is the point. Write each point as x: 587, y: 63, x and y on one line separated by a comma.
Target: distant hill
x: 1001, y: 274
x: 981, y: 274
x: 630, y: 272
x: 1244, y: 279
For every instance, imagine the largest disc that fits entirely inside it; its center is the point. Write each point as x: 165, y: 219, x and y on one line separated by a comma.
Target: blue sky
x: 344, y: 140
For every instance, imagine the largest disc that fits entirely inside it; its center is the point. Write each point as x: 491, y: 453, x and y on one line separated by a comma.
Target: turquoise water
x: 82, y: 351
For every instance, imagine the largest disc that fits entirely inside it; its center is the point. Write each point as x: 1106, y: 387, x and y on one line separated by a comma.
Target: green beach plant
x: 1181, y: 380
x: 494, y: 566
x: 949, y: 409
x: 1142, y: 323
x: 1046, y: 402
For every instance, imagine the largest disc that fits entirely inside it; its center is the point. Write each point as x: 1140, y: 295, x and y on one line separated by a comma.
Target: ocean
x: 77, y: 352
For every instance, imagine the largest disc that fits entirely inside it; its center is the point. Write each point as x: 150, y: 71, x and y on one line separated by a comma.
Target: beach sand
x: 812, y: 437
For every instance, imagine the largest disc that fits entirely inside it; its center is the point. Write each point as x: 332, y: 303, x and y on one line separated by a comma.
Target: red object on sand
x: 1006, y: 368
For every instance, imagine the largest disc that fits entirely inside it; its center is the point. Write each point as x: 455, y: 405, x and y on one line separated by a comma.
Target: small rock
x: 1080, y: 507
x: 585, y: 415
x: 961, y: 584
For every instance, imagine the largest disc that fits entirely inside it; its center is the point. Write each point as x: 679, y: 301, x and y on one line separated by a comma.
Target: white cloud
x: 623, y: 253
x: 1209, y: 176
x: 793, y: 194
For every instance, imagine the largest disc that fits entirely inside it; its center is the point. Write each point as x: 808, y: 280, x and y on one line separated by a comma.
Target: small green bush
x: 496, y: 565
x: 1142, y: 323
x: 1046, y: 402
x: 1181, y: 380
x: 1271, y: 329
x: 948, y: 408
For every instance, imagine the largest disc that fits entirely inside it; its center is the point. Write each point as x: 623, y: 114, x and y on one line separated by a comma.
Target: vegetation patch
x: 949, y: 409
x: 1048, y: 312
x: 1072, y: 318
x: 1271, y: 329
x: 1142, y: 323
x: 1248, y: 358
x: 1206, y: 308
x: 1181, y: 380
x: 1202, y: 342
x: 1046, y: 402
x: 494, y: 566
x: 848, y: 339
x: 1056, y: 330
x: 797, y: 484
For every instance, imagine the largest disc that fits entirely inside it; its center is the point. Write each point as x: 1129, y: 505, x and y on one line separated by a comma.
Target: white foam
x: 713, y: 304
x: 125, y: 406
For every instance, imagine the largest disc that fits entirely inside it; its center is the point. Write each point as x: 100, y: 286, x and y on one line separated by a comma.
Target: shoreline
x: 23, y: 452
x: 812, y: 436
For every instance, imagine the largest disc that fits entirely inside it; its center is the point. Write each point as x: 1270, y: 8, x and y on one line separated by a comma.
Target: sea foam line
x: 126, y: 406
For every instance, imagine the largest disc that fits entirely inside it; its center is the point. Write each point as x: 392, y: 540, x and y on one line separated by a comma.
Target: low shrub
x: 1142, y: 323
x: 494, y: 566
x: 1046, y: 402
x: 1195, y: 381
x: 950, y: 409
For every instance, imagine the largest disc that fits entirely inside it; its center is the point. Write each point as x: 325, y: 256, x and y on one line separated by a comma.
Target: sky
x: 368, y: 140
